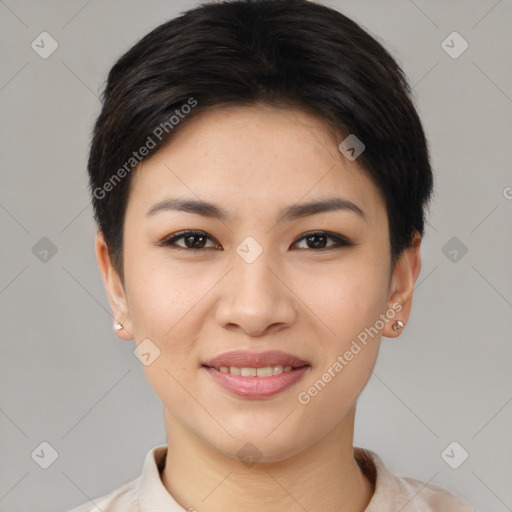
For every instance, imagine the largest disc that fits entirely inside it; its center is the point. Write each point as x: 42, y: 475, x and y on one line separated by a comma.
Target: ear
x: 114, y: 287
x: 402, y: 285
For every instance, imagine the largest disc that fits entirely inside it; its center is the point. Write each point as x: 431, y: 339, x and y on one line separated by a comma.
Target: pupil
x: 190, y: 238
x: 316, y: 243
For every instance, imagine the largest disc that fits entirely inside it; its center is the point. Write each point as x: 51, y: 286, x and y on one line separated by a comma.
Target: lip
x: 256, y: 387
x: 246, y: 359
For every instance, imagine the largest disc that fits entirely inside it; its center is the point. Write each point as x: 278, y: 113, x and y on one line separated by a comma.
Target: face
x: 262, y: 317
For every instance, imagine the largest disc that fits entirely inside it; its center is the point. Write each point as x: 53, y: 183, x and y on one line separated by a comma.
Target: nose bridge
x: 254, y: 280
x: 255, y: 297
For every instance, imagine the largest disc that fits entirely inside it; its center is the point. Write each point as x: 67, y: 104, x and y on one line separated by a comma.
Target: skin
x: 310, y: 302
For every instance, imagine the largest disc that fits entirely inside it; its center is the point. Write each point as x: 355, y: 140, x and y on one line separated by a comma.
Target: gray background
x: 66, y: 378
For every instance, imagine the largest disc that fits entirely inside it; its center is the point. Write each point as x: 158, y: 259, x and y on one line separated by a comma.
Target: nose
x: 256, y: 297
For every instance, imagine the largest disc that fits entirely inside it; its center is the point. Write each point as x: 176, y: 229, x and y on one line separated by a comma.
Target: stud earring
x: 118, y: 326
x: 398, y: 325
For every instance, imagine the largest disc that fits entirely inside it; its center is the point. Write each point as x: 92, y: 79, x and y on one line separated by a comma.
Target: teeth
x: 248, y: 372
x: 265, y: 371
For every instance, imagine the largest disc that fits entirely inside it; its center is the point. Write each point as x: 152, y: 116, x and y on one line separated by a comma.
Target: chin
x: 268, y: 437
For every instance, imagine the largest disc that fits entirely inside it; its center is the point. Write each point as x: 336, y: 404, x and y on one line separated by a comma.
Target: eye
x: 318, y: 240
x: 193, y: 240
x: 197, y: 240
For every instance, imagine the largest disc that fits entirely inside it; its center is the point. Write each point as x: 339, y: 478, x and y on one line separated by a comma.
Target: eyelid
x: 170, y: 240
x: 340, y: 240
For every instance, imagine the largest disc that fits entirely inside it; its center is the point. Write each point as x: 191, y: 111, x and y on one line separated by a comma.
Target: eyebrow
x: 207, y: 209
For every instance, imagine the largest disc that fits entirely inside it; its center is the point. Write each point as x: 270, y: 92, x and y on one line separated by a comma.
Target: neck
x: 325, y: 476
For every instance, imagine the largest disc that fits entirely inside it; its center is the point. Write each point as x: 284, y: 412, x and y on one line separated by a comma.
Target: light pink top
x: 392, y: 492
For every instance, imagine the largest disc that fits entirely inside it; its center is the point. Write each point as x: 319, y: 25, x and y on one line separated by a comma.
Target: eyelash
x: 339, y: 240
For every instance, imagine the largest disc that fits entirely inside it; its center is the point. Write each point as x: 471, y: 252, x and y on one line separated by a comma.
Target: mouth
x: 248, y: 371
x: 256, y: 375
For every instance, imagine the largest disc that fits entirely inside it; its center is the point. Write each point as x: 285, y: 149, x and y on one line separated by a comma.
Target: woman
x: 260, y: 179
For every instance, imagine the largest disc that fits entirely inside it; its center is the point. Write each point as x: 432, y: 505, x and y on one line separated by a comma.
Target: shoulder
x: 396, y: 492
x: 146, y: 492
x: 428, y: 497
x: 122, y: 499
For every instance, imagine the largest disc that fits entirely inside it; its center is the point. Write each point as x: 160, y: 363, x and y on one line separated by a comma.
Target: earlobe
x: 403, y: 281
x: 115, y: 289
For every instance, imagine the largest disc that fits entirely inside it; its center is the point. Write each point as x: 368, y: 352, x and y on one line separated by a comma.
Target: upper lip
x: 246, y: 359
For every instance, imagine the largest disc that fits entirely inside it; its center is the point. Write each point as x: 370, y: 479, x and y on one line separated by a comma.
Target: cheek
x: 349, y: 303
x: 345, y: 298
x: 163, y: 295
x: 169, y: 305
x: 164, y: 310
x: 346, y: 358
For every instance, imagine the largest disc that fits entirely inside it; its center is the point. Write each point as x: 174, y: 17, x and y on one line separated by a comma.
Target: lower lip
x: 257, y: 387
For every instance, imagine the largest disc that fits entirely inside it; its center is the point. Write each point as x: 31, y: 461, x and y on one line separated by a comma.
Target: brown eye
x: 198, y: 240
x: 318, y: 240
x: 193, y: 240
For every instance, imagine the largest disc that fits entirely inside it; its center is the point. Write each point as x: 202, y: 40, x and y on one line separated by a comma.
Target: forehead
x: 248, y: 156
